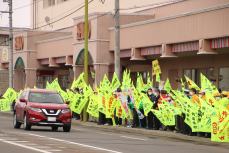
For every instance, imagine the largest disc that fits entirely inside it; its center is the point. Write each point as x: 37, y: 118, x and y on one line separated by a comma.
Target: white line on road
x: 127, y: 137
x: 54, y: 150
x: 75, y: 143
x: 24, y: 146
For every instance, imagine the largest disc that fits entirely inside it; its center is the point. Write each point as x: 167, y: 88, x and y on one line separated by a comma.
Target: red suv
x: 41, y: 107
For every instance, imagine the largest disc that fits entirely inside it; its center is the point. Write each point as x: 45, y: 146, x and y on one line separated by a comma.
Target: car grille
x: 51, y: 112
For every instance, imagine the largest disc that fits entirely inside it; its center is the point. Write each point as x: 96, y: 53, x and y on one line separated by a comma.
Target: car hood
x: 47, y: 105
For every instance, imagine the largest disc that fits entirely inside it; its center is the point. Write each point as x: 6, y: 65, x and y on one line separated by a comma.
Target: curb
x: 153, y: 134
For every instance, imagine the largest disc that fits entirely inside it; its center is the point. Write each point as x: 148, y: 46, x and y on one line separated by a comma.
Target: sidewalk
x: 141, y: 131
x: 151, y: 133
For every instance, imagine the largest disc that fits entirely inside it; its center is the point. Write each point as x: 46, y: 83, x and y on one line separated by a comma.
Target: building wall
x: 182, y: 7
x: 60, y: 10
x: 195, y: 26
x: 4, y: 80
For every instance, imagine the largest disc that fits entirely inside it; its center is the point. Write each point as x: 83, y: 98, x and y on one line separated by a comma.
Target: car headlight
x: 35, y: 109
x: 66, y: 110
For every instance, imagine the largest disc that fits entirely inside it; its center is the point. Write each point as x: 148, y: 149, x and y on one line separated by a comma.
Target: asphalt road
x: 88, y: 140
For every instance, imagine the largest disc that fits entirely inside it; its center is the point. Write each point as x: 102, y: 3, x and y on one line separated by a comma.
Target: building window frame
x: 49, y: 3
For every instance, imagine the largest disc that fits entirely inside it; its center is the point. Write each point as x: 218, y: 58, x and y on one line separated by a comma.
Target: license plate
x: 51, y: 119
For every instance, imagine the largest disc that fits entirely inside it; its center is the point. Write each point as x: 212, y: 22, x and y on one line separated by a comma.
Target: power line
x: 23, y: 6
x: 53, y: 22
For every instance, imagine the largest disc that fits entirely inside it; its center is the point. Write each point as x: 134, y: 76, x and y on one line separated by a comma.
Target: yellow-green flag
x: 191, y: 84
x: 158, y: 78
x: 167, y: 86
x: 207, y: 86
x: 220, y: 125
x: 10, y: 94
x: 79, y: 82
x: 93, y: 108
x: 115, y: 83
x: 5, y: 105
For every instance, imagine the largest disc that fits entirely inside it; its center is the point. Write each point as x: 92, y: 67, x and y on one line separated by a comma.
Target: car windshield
x: 39, y: 97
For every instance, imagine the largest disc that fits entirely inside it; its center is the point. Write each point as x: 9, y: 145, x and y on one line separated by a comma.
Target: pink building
x: 187, y: 37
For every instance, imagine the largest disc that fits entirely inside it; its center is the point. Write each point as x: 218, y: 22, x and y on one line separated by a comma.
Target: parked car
x: 41, y: 107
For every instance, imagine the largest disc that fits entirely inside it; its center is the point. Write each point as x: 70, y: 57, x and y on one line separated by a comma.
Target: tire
x: 16, y: 124
x: 27, y: 126
x: 54, y: 128
x: 67, y: 128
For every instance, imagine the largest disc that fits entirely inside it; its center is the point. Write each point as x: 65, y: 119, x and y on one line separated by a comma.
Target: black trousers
x: 102, y: 118
x: 179, y: 123
x: 142, y: 121
x: 156, y: 123
x: 135, y: 118
x: 150, y: 120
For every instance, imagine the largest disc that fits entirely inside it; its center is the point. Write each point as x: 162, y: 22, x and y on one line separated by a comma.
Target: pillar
x: 30, y: 77
x: 100, y: 70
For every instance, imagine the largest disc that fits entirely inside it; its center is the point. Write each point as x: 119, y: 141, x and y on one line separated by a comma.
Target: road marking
x: 21, y: 141
x: 75, y: 143
x: 54, y: 150
x: 127, y: 137
x: 24, y: 146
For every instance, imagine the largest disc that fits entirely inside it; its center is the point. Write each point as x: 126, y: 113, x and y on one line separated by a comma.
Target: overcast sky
x: 21, y: 17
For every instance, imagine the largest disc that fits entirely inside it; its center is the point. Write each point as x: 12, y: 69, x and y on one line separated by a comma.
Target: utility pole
x: 10, y: 52
x: 85, y: 115
x: 117, y: 39
x: 10, y: 2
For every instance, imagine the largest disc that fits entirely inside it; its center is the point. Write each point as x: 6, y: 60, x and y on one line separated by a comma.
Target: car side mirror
x: 67, y: 102
x: 23, y: 100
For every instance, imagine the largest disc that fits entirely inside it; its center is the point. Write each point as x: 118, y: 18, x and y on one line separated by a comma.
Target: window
x: 224, y: 78
x: 194, y: 74
x: 4, y: 40
x: 39, y: 97
x: 48, y: 3
x: 63, y: 81
x: 42, y: 80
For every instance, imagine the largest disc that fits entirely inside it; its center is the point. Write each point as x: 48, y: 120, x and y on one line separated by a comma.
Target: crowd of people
x: 188, y: 111
x: 151, y: 121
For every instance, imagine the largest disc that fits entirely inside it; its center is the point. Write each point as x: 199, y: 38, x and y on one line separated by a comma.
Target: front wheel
x: 16, y: 124
x: 67, y: 128
x: 27, y: 126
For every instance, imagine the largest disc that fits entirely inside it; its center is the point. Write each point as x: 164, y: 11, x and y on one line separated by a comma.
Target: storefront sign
x: 4, y: 57
x: 19, y: 43
x: 80, y: 31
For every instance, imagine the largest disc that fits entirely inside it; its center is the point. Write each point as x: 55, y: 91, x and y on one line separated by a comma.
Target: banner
x: 10, y: 95
x: 5, y: 105
x: 93, y: 108
x: 156, y: 67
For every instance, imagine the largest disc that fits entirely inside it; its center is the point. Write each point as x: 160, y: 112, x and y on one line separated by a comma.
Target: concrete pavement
x: 88, y: 138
